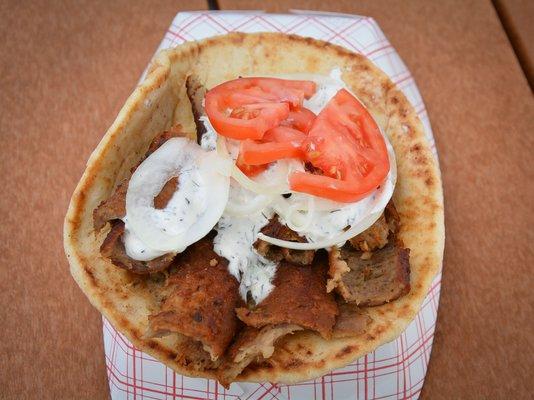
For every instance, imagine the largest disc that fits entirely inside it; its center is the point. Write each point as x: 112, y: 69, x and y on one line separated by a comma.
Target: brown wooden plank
x: 517, y: 17
x: 482, y: 113
x: 66, y: 68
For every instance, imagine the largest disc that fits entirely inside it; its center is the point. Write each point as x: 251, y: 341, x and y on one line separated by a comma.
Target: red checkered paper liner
x: 395, y: 370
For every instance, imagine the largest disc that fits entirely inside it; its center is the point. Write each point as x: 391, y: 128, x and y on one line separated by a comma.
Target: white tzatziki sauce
x: 135, y: 248
x: 327, y: 87
x: 236, y: 235
x: 314, y: 218
x: 193, y: 209
x: 234, y: 241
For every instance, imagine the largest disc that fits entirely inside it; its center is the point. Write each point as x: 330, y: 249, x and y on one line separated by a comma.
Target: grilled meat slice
x: 376, y: 236
x: 375, y: 269
x: 252, y: 344
x: 392, y: 217
x: 173, y: 131
x: 299, y: 297
x: 191, y: 354
x: 201, y: 301
x: 113, y: 248
x: 337, y: 268
x: 196, y: 93
x: 351, y: 321
x: 275, y: 229
x: 374, y: 281
x: 114, y: 208
x: 165, y: 195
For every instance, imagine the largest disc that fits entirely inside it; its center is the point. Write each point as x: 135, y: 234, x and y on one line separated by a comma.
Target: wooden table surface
x: 67, y: 67
x: 517, y: 17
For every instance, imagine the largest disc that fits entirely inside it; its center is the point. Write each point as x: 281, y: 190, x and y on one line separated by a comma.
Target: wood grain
x: 517, y: 18
x: 65, y: 70
x: 482, y: 114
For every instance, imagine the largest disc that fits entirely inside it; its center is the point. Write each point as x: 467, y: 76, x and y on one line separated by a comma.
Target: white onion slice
x: 256, y: 187
x: 319, y: 203
x: 258, y: 203
x: 350, y: 233
x: 292, y: 214
x: 374, y: 213
x: 194, y: 208
x: 273, y: 181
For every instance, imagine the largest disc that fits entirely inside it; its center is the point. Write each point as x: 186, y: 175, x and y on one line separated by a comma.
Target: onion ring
x: 194, y: 208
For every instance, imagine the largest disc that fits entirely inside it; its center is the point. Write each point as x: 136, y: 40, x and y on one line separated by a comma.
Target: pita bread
x: 160, y: 102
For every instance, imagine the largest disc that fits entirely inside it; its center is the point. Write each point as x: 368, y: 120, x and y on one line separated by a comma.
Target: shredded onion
x: 292, y: 214
x: 353, y: 231
x: 222, y: 149
x: 194, y: 208
x: 256, y: 187
x: 258, y: 203
x: 288, y: 213
x: 277, y: 173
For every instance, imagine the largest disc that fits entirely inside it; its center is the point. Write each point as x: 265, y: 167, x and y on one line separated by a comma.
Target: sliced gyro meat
x: 299, y: 297
x: 374, y: 281
x: 376, y: 236
x: 351, y: 321
x: 277, y: 230
x: 201, y: 301
x: 113, y: 248
x: 196, y: 92
x: 113, y: 210
x: 251, y: 345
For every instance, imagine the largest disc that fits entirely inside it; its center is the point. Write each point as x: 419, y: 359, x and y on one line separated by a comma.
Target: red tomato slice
x: 346, y: 144
x: 250, y: 96
x: 301, y: 119
x: 284, y: 134
x: 307, y: 87
x: 250, y: 170
x: 248, y: 107
x: 291, y: 91
x: 248, y: 121
x: 254, y: 153
x: 277, y: 143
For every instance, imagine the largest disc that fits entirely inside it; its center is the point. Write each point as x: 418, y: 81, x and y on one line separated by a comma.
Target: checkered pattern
x: 395, y: 370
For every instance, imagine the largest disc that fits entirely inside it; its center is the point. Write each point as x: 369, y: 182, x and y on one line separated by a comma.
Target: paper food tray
x: 395, y: 370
